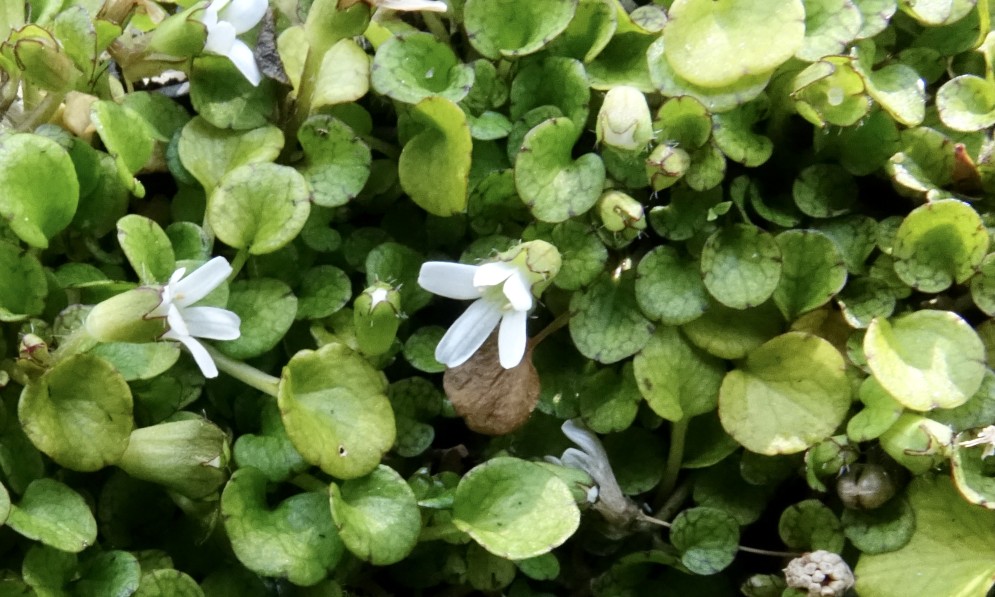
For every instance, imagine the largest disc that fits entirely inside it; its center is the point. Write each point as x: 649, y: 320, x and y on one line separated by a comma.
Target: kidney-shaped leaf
x: 434, y: 168
x: 939, y: 243
x: 54, y: 514
x: 377, y: 516
x: 506, y: 28
x: 414, y: 66
x: 40, y: 189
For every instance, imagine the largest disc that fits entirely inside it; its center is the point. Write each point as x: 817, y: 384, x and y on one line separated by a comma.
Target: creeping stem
x: 246, y: 374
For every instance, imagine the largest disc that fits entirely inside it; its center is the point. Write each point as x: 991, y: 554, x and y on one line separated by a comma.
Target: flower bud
x: 624, y: 121
x: 540, y: 259
x: 41, y: 59
x: 865, y: 487
x: 376, y: 317
x: 189, y: 457
x: 182, y: 34
x: 619, y: 212
x: 820, y: 573
x: 124, y: 317
x: 917, y: 443
x: 666, y: 165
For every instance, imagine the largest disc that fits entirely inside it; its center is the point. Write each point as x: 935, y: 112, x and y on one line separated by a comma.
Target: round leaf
x: 824, y: 191
x: 798, y: 376
x: 79, y: 413
x: 147, y: 248
x: 707, y: 539
x: 741, y: 266
x: 209, y: 152
x: 325, y: 290
x: 335, y: 410
x: 40, y: 187
x: 266, y: 308
x: 515, y: 509
x: 966, y: 103
x: 411, y: 67
x: 880, y: 530
x: 715, y: 43
x: 434, y: 167
x: 554, y: 185
x: 939, y: 243
x: 983, y: 286
x: 506, y: 28
x: 338, y: 162
x: 607, y: 325
x: 812, y: 272
x: 54, y: 514
x: 377, y: 516
x: 22, y: 284
x: 259, y: 207
x: 669, y: 287
x: 677, y: 380
x: 926, y: 359
x: 810, y: 526
x: 295, y: 540
x: 830, y: 25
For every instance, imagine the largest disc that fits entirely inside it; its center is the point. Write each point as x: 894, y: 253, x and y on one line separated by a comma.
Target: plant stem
x: 436, y: 26
x: 246, y: 374
x: 678, y: 434
x: 674, y: 501
x: 556, y: 324
x: 238, y: 263
x: 388, y: 149
x: 767, y: 552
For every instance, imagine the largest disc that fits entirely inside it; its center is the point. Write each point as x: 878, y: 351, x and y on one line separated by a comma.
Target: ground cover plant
x: 505, y: 297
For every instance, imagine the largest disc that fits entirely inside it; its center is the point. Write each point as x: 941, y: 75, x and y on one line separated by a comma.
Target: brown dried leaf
x: 491, y: 399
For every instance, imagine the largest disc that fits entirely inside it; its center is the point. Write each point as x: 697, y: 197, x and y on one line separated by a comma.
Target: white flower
x: 226, y: 19
x: 412, y: 5
x: 592, y: 459
x: 624, y: 120
x: 186, y: 323
x: 986, y: 438
x: 503, y: 293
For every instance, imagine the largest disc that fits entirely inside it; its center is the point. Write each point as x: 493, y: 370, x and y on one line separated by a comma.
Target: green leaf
x: 222, y: 95
x: 809, y: 406
x: 741, y: 265
x: 259, y: 207
x: 337, y: 162
x: 677, y: 379
x: 419, y: 349
x: 163, y: 116
x: 267, y: 309
x: 669, y: 287
x: 830, y: 25
x: 335, y: 410
x: 166, y: 582
x: 876, y: 15
x: 881, y: 412
x: 607, y: 325
x: 715, y: 43
x: 48, y: 570
x: 147, y: 248
x: 79, y: 413
x: 325, y: 290
x: 976, y: 412
x: 863, y: 147
x: 707, y: 539
x: 138, y: 361
x: 925, y: 161
x: 511, y: 28
x: 966, y: 103
x: 295, y: 540
x: 515, y: 509
x: 609, y: 400
x: 937, y: 12
x: 553, y: 81
x: 40, y: 187
x: 830, y: 91
x: 209, y: 152
x: 971, y: 472
x: 554, y: 185
x: 824, y: 191
x: 588, y: 32
x: 883, y: 529
x: 271, y: 451
x: 377, y: 516
x: 398, y: 265
x: 125, y: 134
x: 952, y: 549
x: 344, y: 75
x: 938, y: 244
x: 113, y: 573
x: 812, y: 272
x: 733, y: 134
x: 414, y: 66
x: 731, y: 333
x: 23, y: 286
x: 54, y: 514
x: 809, y: 526
x: 683, y: 120
x: 926, y: 359
x: 434, y: 167
x: 983, y: 286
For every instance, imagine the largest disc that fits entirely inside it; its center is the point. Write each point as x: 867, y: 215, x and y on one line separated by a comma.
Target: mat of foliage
x: 731, y: 271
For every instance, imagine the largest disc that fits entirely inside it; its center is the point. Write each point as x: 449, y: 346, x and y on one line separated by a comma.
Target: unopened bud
x: 666, y: 165
x: 182, y: 34
x: 124, y: 317
x: 619, y: 212
x: 376, y: 317
x: 542, y: 262
x: 624, y: 121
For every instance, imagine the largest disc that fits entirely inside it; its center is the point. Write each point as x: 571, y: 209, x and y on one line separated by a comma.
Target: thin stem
x: 246, y: 374
x: 436, y: 26
x: 309, y: 483
x: 556, y: 324
x: 767, y: 552
x: 388, y: 149
x: 651, y: 520
x: 238, y: 263
x: 42, y: 112
x: 678, y: 435
x: 439, y: 532
x: 674, y: 502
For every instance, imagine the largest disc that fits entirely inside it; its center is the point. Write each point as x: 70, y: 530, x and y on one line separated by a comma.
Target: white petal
x: 429, y: 5
x: 518, y: 292
x: 220, y: 38
x: 583, y: 437
x: 200, y: 356
x: 241, y: 56
x: 201, y: 281
x: 467, y: 333
x: 451, y: 280
x: 492, y: 274
x: 213, y: 323
x: 243, y: 14
x: 177, y: 325
x: 512, y: 338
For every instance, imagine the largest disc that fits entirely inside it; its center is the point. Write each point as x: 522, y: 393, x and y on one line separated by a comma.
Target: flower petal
x: 241, y: 56
x: 200, y: 356
x: 467, y: 333
x: 451, y: 280
x: 243, y: 14
x: 201, y: 281
x: 492, y: 274
x: 518, y: 292
x: 412, y: 5
x: 220, y: 38
x: 177, y: 325
x: 213, y: 323
x: 512, y: 338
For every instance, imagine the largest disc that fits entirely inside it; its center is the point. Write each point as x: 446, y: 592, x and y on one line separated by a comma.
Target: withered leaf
x: 491, y: 399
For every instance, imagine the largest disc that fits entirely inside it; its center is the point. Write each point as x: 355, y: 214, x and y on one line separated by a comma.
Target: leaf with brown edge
x: 491, y: 399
